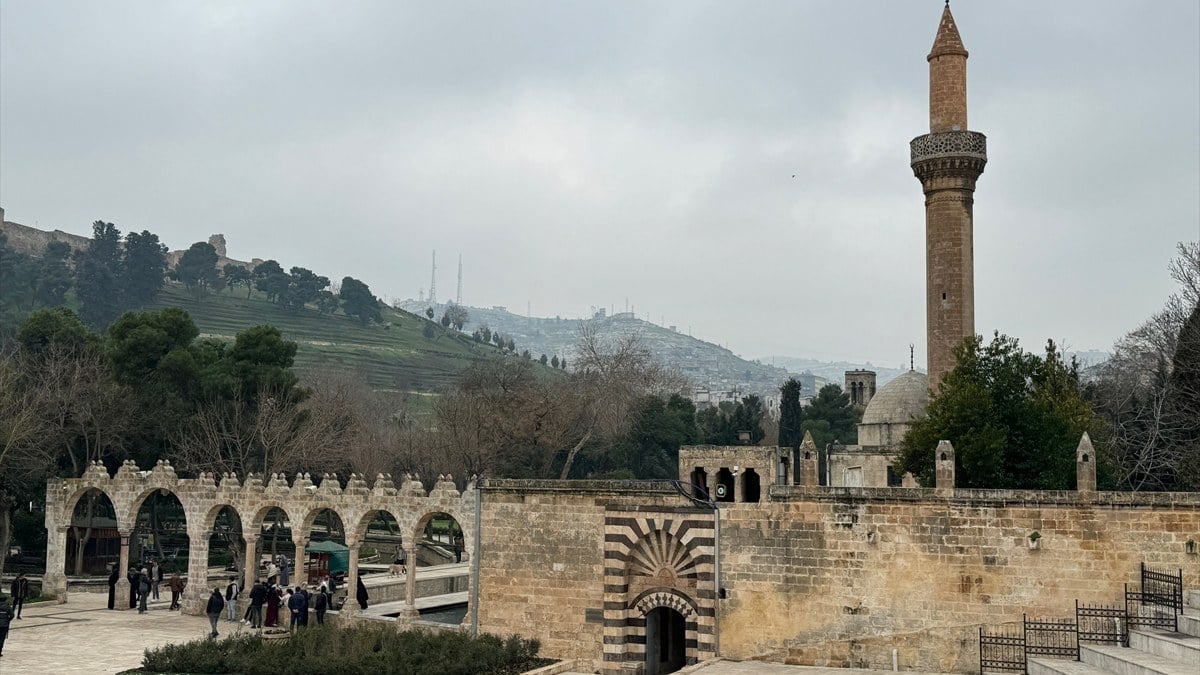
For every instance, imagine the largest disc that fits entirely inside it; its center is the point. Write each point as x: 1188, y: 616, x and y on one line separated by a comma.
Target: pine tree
x: 98, y: 276
x: 144, y: 267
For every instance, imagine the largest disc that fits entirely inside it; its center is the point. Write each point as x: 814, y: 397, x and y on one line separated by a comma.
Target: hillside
x: 708, y: 365
x: 393, y: 357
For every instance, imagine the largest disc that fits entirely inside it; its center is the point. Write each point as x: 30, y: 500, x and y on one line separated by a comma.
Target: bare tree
x: 1145, y: 431
x: 610, y: 376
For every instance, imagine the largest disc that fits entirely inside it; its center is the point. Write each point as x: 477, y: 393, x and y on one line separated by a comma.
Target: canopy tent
x: 326, y: 557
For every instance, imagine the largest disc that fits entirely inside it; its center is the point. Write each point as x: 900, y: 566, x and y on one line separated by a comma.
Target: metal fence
x: 1156, y: 603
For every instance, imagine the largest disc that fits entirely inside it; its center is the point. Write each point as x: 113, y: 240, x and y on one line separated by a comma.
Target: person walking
x: 231, y: 597
x: 19, y: 591
x: 361, y: 594
x: 258, y: 596
x: 6, y: 616
x: 156, y: 577
x: 321, y: 604
x: 143, y: 590
x: 134, y: 584
x: 176, y: 586
x: 215, y: 604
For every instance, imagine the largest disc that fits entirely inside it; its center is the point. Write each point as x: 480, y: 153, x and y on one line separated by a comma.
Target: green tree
x: 543, y: 360
x: 54, y: 275
x: 304, y: 287
x: 270, y: 278
x: 830, y: 418
x: 16, y: 285
x: 554, y: 362
x: 791, y: 415
x: 1014, y: 418
x: 722, y: 424
x: 144, y: 267
x: 429, y: 313
x: 56, y: 327
x: 358, y: 301
x: 197, y: 267
x: 261, y: 360
x: 236, y: 275
x: 327, y: 302
x: 98, y: 276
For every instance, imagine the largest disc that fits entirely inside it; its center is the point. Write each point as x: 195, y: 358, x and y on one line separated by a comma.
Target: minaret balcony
x: 949, y: 144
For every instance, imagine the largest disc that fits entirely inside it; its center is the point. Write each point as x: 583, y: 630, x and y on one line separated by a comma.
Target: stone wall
x: 840, y: 576
x: 554, y: 557
x: 827, y: 576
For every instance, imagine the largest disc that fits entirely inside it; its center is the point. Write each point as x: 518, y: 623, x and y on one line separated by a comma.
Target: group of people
x: 19, y: 591
x: 144, y: 585
x: 271, y: 595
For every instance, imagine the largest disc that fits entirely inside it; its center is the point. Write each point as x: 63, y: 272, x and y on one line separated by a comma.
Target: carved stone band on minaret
x: 948, y: 144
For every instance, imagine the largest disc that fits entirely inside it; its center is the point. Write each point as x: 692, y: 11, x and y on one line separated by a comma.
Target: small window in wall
x: 724, y: 486
x: 700, y: 484
x: 893, y: 479
x: 750, y: 486
x: 854, y: 476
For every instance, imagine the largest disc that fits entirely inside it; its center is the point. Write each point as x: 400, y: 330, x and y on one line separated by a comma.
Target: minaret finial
x: 910, y: 345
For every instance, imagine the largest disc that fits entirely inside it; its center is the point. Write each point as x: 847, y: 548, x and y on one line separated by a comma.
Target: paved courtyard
x: 83, y: 636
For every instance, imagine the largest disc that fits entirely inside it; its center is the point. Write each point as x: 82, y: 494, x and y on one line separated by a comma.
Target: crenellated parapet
x: 251, y: 500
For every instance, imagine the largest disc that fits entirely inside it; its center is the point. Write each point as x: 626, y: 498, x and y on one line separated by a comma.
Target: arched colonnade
x: 204, y: 498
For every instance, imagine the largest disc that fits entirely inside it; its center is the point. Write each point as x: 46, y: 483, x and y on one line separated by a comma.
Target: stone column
x: 410, y: 580
x: 351, y: 604
x: 195, y: 594
x: 298, y: 576
x: 121, y: 597
x: 250, y: 566
x: 54, y: 581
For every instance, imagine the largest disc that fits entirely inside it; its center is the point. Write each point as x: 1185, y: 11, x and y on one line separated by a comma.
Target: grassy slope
x: 393, y: 358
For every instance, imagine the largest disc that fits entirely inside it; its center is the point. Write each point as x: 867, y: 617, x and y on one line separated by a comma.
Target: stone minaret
x: 947, y: 161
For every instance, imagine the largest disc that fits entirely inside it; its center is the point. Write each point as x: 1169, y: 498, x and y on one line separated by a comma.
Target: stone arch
x: 134, y: 506
x: 98, y: 536
x: 359, y: 529
x: 468, y: 538
x: 302, y: 530
x: 209, y: 520
x: 657, y: 560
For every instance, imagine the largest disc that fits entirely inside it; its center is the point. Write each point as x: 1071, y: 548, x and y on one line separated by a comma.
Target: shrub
x: 357, y: 650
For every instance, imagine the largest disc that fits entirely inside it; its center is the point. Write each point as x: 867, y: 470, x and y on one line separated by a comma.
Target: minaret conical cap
x: 948, y: 41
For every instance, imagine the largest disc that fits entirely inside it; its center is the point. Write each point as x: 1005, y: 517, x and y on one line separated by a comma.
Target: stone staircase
x: 1150, y: 652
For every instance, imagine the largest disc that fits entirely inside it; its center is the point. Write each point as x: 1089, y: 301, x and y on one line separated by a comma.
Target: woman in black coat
x: 113, y: 576
x: 361, y: 595
x: 135, y: 581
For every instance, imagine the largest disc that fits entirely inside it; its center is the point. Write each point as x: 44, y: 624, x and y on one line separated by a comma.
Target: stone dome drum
x: 900, y: 401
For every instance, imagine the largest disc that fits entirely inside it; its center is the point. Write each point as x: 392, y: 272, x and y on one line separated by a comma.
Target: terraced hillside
x: 393, y: 357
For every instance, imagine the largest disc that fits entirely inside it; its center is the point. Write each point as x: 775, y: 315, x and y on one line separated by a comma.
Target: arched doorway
x: 666, y: 641
x: 93, y: 543
x: 326, y: 553
x: 276, y: 543
x: 159, y: 542
x: 226, y: 548
x: 382, y: 543
x: 441, y: 541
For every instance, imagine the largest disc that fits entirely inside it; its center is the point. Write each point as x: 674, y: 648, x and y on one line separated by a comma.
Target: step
x: 1124, y: 661
x: 1175, y: 646
x: 1189, y: 622
x: 1043, y: 666
x: 1191, y: 599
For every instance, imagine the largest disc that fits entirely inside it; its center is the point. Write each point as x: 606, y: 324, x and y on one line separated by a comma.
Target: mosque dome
x: 900, y: 401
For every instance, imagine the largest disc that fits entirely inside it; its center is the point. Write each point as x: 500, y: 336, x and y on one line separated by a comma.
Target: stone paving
x: 84, y: 637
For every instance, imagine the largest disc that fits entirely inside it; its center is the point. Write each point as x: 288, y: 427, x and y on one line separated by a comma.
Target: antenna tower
x: 433, y: 281
x: 458, y: 297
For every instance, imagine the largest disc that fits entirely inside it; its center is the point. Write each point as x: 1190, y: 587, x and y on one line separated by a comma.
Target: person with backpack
x: 215, y: 604
x: 231, y: 597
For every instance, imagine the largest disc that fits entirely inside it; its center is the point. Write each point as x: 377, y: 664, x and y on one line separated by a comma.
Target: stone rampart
x: 829, y: 576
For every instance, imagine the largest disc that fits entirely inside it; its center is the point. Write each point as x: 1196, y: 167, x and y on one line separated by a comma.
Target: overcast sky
x: 739, y: 168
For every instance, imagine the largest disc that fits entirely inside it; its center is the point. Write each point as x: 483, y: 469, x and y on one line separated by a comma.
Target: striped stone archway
x: 652, y: 560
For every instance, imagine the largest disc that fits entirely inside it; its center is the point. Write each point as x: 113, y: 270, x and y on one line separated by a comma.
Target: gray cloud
x: 578, y: 154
